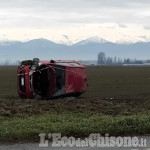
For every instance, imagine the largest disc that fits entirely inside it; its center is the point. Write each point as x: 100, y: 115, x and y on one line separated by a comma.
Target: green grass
x: 78, y: 125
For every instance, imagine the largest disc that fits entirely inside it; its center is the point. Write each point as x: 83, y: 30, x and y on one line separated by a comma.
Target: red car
x: 48, y: 79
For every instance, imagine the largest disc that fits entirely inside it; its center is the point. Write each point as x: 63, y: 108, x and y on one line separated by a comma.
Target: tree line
x: 103, y: 60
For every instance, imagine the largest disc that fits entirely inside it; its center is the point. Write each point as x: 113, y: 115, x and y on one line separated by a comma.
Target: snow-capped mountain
x: 94, y: 39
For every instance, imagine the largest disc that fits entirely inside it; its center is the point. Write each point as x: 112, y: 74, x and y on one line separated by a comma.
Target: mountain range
x: 87, y: 49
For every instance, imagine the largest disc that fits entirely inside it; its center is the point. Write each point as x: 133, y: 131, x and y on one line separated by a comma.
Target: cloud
x: 147, y: 27
x: 66, y: 15
x: 145, y: 38
x: 48, y: 13
x: 122, y: 26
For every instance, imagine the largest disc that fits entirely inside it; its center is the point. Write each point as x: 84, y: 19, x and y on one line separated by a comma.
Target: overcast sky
x: 74, y: 20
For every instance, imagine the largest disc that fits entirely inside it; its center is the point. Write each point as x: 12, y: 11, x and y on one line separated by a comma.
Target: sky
x: 70, y: 21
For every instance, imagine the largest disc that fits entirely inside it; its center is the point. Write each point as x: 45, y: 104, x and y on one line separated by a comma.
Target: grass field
x: 117, y: 102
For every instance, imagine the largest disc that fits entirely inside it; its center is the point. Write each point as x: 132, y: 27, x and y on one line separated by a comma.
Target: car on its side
x: 49, y: 79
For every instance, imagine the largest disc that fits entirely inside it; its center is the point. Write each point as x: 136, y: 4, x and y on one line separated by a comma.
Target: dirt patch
x: 105, y: 106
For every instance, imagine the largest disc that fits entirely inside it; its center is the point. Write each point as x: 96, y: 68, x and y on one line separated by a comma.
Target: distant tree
x: 109, y: 60
x: 127, y: 61
x: 101, y: 58
x: 119, y: 61
x: 115, y: 60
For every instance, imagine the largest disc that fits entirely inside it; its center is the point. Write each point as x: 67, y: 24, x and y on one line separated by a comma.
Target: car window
x: 68, y: 63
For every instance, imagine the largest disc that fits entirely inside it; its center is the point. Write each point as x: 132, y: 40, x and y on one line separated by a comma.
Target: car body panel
x: 76, y: 79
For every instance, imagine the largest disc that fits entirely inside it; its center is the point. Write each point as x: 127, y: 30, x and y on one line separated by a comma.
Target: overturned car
x: 49, y: 79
